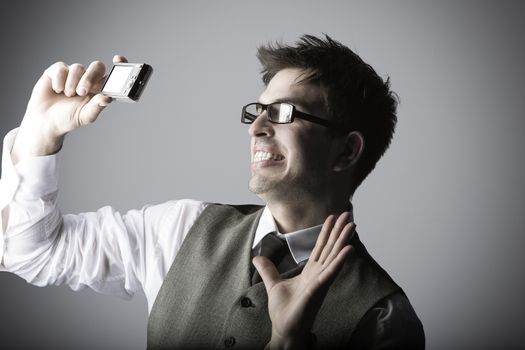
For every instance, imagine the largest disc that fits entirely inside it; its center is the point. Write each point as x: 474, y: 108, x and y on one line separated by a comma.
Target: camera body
x: 126, y: 81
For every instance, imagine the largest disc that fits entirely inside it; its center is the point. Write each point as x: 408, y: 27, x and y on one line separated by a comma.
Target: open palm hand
x: 293, y: 303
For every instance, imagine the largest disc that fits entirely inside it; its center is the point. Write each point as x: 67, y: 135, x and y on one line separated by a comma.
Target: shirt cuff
x: 10, y: 179
x: 33, y: 177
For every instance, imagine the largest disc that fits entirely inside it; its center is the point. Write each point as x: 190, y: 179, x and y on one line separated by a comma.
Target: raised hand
x: 294, y: 303
x: 63, y: 99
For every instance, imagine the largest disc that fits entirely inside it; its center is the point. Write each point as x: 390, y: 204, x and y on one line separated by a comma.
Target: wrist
x: 35, y: 140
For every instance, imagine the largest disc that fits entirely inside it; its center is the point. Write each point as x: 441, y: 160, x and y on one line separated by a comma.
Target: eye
x: 273, y: 110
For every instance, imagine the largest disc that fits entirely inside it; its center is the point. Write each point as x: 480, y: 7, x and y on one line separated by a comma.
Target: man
x: 318, y: 129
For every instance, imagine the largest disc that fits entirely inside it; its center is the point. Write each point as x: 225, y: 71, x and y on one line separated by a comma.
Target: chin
x: 259, y: 185
x: 255, y: 187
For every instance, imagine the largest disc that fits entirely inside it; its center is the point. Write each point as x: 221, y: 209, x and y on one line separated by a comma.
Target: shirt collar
x: 301, y: 243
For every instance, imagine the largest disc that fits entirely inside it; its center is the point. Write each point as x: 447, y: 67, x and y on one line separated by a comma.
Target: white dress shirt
x: 112, y: 253
x: 122, y: 254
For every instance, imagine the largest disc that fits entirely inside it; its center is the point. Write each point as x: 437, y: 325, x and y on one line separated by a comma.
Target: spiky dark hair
x: 354, y: 94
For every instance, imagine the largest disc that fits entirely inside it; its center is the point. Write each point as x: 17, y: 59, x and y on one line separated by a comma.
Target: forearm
x: 99, y: 250
x: 76, y: 250
x: 22, y: 186
x: 28, y: 201
x: 36, y: 243
x: 45, y: 247
x: 30, y: 238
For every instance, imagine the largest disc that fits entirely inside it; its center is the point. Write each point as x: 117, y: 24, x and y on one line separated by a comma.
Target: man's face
x: 290, y: 161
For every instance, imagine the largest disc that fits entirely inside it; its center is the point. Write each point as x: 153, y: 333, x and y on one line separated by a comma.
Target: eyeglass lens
x: 277, y: 112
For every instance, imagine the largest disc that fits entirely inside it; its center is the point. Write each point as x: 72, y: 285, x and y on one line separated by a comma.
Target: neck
x: 298, y: 214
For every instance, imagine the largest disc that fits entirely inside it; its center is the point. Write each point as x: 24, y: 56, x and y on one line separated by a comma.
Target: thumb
x: 267, y: 270
x: 119, y: 59
x: 90, y: 111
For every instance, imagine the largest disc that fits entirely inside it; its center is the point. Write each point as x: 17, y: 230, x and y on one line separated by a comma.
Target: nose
x: 261, y: 127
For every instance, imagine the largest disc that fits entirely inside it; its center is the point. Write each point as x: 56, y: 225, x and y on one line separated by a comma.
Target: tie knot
x: 273, y: 247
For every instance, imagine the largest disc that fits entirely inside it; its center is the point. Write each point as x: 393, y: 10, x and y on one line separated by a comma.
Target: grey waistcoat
x: 206, y: 300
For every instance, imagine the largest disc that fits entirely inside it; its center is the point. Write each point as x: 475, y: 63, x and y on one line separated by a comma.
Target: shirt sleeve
x: 109, y: 252
x: 391, y: 324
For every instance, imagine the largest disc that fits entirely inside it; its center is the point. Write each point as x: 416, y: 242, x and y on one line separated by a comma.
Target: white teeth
x: 261, y: 155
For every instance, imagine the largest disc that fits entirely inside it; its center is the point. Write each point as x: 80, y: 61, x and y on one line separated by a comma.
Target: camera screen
x: 117, y: 79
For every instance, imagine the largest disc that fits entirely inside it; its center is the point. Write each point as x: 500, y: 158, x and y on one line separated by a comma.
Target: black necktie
x: 277, y: 251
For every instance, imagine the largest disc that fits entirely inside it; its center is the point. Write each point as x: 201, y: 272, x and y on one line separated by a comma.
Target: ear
x: 351, y: 149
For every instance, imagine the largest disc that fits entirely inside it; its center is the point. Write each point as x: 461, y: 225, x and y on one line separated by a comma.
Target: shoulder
x: 392, y: 323
x: 232, y: 209
x: 177, y: 208
x: 173, y: 216
x: 180, y: 215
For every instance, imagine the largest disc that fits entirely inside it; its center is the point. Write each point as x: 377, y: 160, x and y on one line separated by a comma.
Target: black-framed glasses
x: 279, y: 113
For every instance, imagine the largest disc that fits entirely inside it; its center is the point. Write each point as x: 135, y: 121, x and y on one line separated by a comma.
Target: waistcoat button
x: 246, y: 302
x: 229, y: 342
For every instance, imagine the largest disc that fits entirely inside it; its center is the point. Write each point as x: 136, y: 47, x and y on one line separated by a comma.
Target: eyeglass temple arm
x: 313, y: 119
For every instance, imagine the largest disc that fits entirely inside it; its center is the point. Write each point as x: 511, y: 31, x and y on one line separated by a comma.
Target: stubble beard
x: 260, y: 185
x: 281, y: 190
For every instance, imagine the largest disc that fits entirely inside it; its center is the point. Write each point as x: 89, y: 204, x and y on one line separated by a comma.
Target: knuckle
x: 59, y: 65
x: 57, y: 68
x: 98, y: 65
x: 62, y: 71
x: 76, y: 67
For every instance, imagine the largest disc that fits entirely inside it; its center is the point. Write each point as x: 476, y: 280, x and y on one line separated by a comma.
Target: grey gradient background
x: 443, y: 211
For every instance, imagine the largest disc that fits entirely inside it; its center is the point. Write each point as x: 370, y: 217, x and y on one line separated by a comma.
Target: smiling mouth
x: 260, y: 156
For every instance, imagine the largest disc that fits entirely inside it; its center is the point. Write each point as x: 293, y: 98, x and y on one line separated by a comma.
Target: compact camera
x: 126, y: 81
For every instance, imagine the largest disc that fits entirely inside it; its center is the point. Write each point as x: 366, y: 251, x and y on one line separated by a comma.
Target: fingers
x: 330, y: 272
x: 340, y: 243
x: 334, y: 235
x: 90, y: 111
x: 92, y: 79
x: 267, y: 270
x: 76, y: 79
x: 119, y: 59
x: 75, y: 72
x: 57, y: 73
x: 323, y: 237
